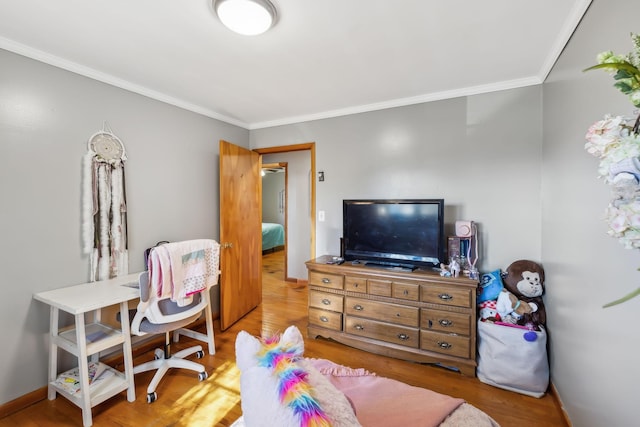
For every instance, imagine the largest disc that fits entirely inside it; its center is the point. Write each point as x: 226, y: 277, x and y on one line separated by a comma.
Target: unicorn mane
x: 293, y: 387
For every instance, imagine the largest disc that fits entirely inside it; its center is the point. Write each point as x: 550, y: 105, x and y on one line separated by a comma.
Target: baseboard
x: 296, y: 283
x: 272, y: 250
x: 558, y: 402
x: 114, y: 359
x: 22, y: 402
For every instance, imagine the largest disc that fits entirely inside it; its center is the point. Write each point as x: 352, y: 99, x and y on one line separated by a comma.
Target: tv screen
x: 394, y: 233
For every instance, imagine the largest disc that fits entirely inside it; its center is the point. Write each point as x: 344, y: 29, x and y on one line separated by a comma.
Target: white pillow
x: 261, y: 406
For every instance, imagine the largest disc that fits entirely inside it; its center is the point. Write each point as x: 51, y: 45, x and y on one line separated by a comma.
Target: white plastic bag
x: 508, y: 361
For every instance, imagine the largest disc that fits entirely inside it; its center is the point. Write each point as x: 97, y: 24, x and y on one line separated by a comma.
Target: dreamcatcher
x: 104, y: 206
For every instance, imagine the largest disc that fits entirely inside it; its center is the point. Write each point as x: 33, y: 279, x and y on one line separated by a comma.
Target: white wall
x: 594, y: 351
x: 46, y: 117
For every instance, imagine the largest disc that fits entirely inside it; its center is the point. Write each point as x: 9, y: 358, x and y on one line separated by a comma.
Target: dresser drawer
x: 355, y: 284
x: 379, y: 287
x: 445, y: 321
x: 386, y: 312
x: 325, y: 301
x: 407, y: 291
x: 326, y: 319
x: 326, y: 280
x: 446, y: 295
x: 454, y: 345
x: 395, y: 334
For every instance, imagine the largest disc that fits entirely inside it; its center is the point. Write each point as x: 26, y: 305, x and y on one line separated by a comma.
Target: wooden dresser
x: 418, y: 316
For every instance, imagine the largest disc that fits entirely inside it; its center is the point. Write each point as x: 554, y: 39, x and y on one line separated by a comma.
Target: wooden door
x: 240, y: 233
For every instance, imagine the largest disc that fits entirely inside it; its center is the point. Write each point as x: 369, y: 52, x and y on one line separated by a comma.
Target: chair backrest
x: 161, y: 311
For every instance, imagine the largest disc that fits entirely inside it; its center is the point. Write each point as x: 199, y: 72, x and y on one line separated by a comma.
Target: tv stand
x: 411, y: 315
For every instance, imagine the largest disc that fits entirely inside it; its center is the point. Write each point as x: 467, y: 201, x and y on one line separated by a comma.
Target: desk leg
x: 127, y: 351
x: 53, y: 351
x: 83, y: 367
x: 209, y: 320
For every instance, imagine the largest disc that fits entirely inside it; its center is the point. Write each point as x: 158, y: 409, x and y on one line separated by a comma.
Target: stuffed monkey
x: 525, y: 279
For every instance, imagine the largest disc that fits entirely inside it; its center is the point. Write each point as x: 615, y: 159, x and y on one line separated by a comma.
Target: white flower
x: 624, y: 148
x: 603, y: 134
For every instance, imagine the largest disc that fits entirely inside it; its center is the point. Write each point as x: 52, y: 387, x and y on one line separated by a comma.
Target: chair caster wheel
x: 152, y: 397
x: 199, y: 354
x: 158, y: 354
x: 202, y: 376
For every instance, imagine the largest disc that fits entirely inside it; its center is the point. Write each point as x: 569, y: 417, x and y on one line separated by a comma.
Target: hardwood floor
x: 183, y: 401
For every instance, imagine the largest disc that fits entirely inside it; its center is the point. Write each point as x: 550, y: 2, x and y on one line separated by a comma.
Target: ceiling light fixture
x: 247, y: 17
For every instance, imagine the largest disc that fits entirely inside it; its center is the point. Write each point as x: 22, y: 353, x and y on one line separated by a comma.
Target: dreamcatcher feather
x: 104, y: 219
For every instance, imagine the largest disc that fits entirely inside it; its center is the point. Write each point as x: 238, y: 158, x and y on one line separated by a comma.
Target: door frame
x: 311, y: 146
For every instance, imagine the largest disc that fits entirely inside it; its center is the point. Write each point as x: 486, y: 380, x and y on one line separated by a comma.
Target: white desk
x: 88, y: 339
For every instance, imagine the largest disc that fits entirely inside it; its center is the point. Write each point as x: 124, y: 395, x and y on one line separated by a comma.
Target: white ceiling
x: 324, y: 58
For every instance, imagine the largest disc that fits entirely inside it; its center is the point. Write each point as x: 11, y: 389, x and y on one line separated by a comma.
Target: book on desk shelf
x: 70, y: 380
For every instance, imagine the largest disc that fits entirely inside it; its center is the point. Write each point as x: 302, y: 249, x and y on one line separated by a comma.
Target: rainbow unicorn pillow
x: 280, y: 388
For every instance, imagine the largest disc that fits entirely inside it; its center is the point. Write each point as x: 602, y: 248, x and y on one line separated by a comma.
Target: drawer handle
x: 403, y: 337
x: 325, y: 301
x: 443, y: 344
x: 355, y: 285
x: 445, y: 297
x: 324, y: 319
x: 358, y: 307
x: 358, y: 327
x: 405, y: 292
x: 445, y: 322
x: 325, y: 280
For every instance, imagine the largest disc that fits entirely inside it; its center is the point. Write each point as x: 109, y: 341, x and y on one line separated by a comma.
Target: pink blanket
x: 383, y: 402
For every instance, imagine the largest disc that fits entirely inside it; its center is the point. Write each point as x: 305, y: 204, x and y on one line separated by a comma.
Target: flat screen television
x: 406, y: 234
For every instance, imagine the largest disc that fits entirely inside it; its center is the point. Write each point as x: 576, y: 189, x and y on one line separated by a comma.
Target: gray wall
x: 298, y: 234
x: 594, y: 351
x: 272, y: 185
x: 46, y: 118
x: 482, y: 154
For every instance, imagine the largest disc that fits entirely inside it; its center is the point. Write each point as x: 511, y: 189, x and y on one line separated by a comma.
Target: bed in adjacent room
x: 272, y: 236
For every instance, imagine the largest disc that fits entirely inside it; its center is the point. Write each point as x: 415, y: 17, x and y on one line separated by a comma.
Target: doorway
x: 274, y: 212
x: 300, y: 230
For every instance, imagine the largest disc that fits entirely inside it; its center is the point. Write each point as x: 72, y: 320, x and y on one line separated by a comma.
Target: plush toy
x: 490, y: 286
x: 525, y: 279
x: 487, y: 310
x: 279, y: 387
x: 511, y: 309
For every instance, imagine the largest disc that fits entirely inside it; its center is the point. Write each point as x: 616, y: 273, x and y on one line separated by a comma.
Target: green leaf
x: 622, y: 74
x: 624, y: 87
x: 623, y: 299
x: 625, y: 66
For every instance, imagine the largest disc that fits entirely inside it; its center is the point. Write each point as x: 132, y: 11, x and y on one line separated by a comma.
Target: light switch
x: 321, y: 216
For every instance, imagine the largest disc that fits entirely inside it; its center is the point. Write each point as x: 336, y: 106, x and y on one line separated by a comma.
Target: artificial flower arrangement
x: 615, y: 140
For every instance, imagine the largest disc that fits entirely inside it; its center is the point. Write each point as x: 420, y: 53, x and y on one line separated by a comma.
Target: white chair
x: 161, y: 315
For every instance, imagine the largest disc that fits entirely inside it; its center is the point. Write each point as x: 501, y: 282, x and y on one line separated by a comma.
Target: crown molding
x: 82, y: 70
x: 402, y: 102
